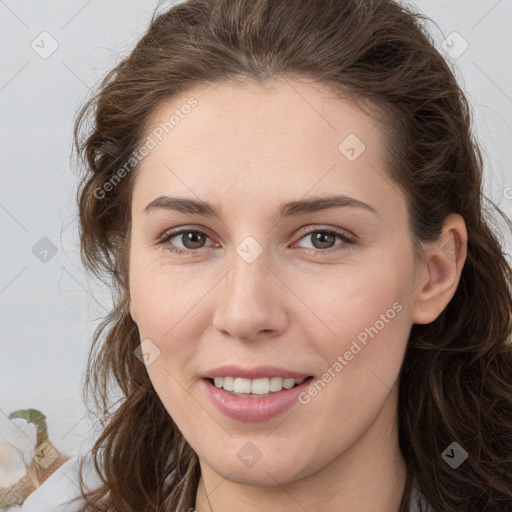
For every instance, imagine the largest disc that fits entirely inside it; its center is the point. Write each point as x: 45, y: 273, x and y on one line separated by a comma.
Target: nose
x: 253, y: 302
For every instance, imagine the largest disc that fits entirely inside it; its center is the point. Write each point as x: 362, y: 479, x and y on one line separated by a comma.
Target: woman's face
x: 270, y: 282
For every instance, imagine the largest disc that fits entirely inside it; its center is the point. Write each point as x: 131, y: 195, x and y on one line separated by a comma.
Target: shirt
x: 58, y: 490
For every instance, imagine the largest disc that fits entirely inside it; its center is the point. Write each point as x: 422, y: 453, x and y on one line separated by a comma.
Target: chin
x: 269, y: 472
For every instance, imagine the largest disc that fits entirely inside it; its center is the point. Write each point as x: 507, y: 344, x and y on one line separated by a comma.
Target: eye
x: 194, y: 239
x: 323, y: 239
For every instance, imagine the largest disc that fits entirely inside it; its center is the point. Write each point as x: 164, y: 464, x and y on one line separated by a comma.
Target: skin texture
x: 245, y: 149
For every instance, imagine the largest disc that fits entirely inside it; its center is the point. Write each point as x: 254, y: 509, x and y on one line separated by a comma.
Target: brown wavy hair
x: 456, y: 378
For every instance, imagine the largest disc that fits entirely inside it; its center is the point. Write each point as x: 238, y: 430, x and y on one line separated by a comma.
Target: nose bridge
x: 250, y: 302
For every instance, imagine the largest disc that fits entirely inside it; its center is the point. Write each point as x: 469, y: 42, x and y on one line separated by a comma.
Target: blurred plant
x: 45, y: 460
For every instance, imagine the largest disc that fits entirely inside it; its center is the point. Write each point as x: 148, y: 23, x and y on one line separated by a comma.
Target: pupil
x: 189, y: 238
x: 320, y: 238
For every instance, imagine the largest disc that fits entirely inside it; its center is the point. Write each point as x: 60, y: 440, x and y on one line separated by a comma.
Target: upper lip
x: 256, y: 372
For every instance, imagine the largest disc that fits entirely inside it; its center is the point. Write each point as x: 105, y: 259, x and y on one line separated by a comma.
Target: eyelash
x: 346, y: 239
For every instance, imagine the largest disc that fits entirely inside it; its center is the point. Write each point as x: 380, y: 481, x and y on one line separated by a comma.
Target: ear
x: 439, y: 279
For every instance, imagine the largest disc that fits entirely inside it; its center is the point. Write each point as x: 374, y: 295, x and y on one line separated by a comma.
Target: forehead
x: 295, y: 111
x: 252, y: 138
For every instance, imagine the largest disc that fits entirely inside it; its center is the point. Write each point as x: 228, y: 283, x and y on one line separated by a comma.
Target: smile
x: 249, y: 406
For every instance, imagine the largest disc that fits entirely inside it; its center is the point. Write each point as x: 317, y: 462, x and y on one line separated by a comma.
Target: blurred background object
x: 42, y: 462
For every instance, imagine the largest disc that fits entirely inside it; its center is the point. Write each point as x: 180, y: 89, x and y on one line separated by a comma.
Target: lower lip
x: 253, y: 409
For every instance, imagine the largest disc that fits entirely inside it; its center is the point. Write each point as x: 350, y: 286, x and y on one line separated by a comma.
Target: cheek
x: 166, y: 317
x: 366, y: 313
x: 162, y: 297
x: 361, y: 363
x: 370, y: 340
x: 166, y: 303
x: 352, y: 299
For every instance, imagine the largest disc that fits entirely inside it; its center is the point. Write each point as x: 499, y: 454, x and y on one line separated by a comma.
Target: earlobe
x: 444, y: 260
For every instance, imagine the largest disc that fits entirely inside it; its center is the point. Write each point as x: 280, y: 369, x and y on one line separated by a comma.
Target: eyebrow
x: 287, y: 209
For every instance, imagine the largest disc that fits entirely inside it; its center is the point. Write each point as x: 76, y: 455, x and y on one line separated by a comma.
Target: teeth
x: 256, y: 386
x: 259, y: 386
x: 242, y: 385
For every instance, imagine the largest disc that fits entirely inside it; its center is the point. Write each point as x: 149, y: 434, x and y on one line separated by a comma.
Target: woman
x: 311, y: 309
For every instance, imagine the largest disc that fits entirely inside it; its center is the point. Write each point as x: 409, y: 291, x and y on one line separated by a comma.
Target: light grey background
x: 49, y: 309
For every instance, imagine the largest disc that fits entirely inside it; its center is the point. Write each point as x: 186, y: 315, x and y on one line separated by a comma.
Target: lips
x: 257, y: 372
x: 255, y: 409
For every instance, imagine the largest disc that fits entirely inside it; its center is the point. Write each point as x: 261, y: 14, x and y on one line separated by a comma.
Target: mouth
x: 257, y: 388
x: 254, y: 407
